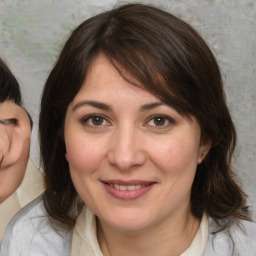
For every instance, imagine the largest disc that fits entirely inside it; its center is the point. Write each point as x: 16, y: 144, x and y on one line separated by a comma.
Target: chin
x: 129, y: 226
x: 128, y: 221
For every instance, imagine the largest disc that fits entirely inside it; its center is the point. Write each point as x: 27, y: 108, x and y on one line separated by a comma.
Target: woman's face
x: 14, y: 147
x: 132, y: 158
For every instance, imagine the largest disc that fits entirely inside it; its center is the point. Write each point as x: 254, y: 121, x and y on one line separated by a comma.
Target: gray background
x: 33, y: 31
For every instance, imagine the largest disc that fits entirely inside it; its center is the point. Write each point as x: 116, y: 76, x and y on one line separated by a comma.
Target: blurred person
x: 15, y: 133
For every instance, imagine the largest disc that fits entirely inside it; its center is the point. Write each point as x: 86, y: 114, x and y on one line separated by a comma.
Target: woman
x: 136, y: 142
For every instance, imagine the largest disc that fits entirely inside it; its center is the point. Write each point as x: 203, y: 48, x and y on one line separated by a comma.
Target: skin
x: 130, y: 137
x: 14, y: 147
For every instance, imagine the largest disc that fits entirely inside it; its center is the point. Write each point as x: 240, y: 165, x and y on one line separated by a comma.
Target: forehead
x: 108, y: 81
x: 103, y: 80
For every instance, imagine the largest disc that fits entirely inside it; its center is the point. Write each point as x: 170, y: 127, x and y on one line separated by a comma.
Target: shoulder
x: 237, y: 240
x: 30, y: 233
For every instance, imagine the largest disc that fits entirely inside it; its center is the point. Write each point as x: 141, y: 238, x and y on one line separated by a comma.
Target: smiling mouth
x: 128, y: 190
x: 127, y: 187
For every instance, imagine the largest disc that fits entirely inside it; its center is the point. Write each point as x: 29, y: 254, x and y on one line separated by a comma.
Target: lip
x: 137, y: 188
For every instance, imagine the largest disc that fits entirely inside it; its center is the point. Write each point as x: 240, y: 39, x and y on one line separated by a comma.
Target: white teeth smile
x: 129, y: 187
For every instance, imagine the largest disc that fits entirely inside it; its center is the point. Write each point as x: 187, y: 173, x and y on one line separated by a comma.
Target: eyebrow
x: 93, y: 103
x: 104, y: 106
x: 152, y: 105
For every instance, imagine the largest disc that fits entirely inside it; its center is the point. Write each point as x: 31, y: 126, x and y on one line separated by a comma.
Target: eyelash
x: 85, y: 121
x: 167, y: 119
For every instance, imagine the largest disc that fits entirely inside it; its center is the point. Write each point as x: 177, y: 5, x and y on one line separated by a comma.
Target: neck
x: 169, y: 238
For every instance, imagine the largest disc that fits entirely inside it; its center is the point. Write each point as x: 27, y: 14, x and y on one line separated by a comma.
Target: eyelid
x: 168, y: 118
x: 84, y: 120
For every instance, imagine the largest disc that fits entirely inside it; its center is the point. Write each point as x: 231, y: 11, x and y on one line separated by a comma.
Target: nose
x: 125, y: 152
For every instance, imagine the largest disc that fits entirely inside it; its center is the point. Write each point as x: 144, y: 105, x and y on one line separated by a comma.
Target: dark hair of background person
x: 9, y: 87
x: 164, y: 55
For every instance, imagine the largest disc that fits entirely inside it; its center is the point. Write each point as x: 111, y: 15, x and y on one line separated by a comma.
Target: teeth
x: 116, y: 186
x: 133, y: 187
x: 129, y: 187
x: 122, y: 187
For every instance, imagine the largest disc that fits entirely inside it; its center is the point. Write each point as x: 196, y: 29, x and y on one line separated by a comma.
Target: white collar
x: 199, y: 243
x: 84, y: 238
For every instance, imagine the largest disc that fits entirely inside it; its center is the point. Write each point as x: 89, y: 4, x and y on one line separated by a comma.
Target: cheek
x: 11, y: 179
x: 177, y: 155
x: 83, y: 154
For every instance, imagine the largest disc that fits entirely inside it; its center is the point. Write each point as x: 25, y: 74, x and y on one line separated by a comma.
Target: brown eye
x: 159, y: 121
x: 97, y: 120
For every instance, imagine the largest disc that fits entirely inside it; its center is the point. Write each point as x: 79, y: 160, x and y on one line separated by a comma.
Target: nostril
x: 125, y: 153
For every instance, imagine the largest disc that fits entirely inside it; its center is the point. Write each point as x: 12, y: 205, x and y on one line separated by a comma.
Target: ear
x: 203, y: 150
x: 14, y: 153
x: 15, y: 132
x: 14, y: 144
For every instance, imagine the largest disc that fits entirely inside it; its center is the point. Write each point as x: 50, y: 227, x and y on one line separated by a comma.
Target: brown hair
x: 170, y: 60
